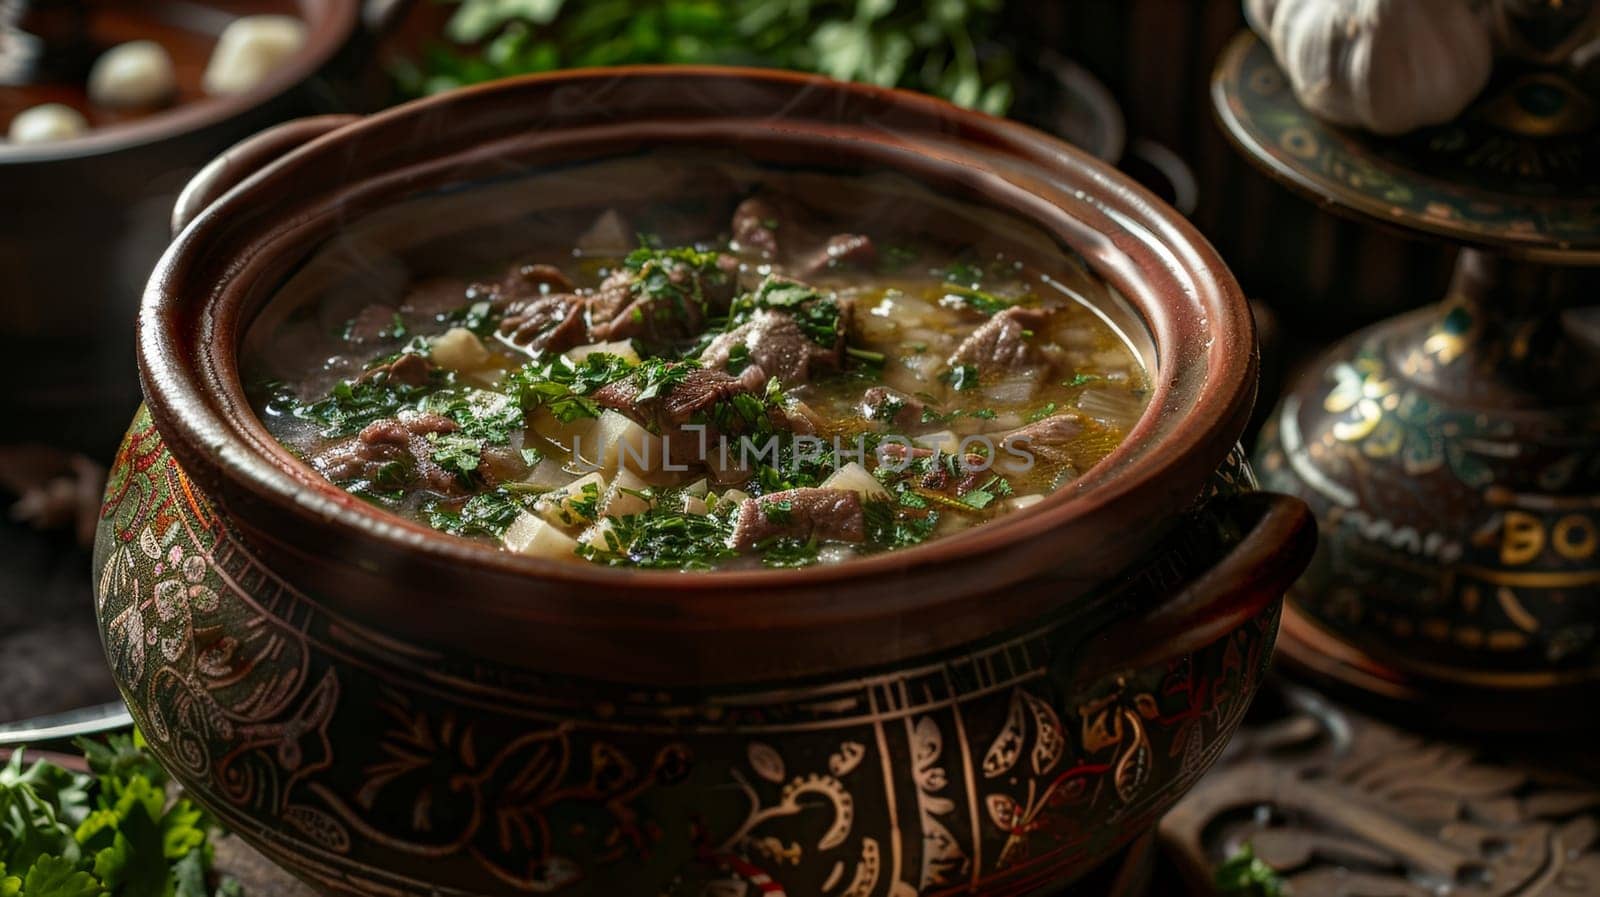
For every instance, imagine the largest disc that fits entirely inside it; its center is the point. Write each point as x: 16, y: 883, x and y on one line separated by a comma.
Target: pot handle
x: 245, y: 158
x: 1271, y: 555
x: 1165, y: 172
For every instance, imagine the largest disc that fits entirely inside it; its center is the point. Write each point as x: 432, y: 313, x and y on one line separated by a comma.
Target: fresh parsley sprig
x: 114, y: 833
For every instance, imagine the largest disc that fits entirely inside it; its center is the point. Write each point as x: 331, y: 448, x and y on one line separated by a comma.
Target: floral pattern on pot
x: 367, y: 765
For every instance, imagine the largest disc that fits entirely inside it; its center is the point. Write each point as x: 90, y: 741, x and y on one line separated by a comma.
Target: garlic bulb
x: 248, y: 50
x: 48, y: 122
x: 1389, y: 66
x: 137, y: 73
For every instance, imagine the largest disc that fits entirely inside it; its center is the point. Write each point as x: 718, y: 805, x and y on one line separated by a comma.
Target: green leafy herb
x: 1245, y: 875
x: 985, y: 495
x: 563, y: 385
x: 484, y: 514
x: 352, y: 404
x: 1082, y: 379
x: 980, y: 301
x: 931, y: 45
x: 1042, y: 412
x: 663, y: 539
x: 116, y: 833
x: 786, y: 553
x: 961, y: 377
x: 817, y: 312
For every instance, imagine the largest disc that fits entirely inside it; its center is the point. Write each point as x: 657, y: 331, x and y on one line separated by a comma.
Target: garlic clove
x: 137, y: 73
x: 1389, y: 66
x: 248, y: 51
x: 47, y: 123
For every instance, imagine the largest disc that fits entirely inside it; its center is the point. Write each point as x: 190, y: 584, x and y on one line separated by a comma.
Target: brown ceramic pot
x: 385, y: 709
x: 84, y: 220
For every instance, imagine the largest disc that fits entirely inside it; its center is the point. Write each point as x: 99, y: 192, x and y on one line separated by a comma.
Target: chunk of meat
x: 821, y: 515
x: 553, y: 323
x: 755, y: 227
x: 1002, y: 345
x: 775, y: 230
x: 395, y: 448
x: 881, y: 403
x: 1049, y: 438
x: 851, y: 252
x: 533, y: 279
x: 700, y: 398
x: 659, y: 305
x: 407, y: 369
x: 947, y: 475
x: 773, y: 342
x: 371, y: 324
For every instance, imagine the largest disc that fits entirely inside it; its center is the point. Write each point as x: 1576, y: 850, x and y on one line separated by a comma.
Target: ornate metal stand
x: 1344, y: 806
x: 1452, y: 454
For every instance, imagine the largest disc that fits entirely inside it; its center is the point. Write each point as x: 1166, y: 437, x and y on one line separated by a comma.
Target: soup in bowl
x: 687, y: 481
x: 757, y: 387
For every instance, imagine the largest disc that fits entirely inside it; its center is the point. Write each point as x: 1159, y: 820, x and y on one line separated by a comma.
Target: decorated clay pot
x: 385, y: 709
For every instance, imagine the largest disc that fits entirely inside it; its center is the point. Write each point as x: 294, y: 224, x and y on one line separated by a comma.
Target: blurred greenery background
x: 935, y: 46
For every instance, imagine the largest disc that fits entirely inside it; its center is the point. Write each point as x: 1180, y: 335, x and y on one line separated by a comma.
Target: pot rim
x: 1204, y: 343
x: 325, y: 36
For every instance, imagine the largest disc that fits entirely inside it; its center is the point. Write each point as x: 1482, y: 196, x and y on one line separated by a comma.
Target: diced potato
x: 248, y: 50
x: 573, y: 504
x: 621, y: 348
x: 563, y: 433
x: 618, y: 441
x: 622, y: 498
x: 695, y: 504
x: 941, y: 441
x: 549, y: 474
x: 137, y: 73
x: 47, y: 122
x: 1024, y: 501
x: 459, y: 349
x: 534, y: 537
x: 698, y: 488
x: 855, y: 478
x: 600, y: 537
x: 732, y: 496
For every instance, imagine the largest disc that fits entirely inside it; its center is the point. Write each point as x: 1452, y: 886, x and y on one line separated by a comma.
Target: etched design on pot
x: 370, y: 765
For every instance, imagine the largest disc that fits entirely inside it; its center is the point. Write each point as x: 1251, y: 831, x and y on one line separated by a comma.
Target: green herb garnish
x: 980, y: 301
x: 935, y: 47
x: 961, y: 377
x: 1245, y: 875
x: 115, y: 833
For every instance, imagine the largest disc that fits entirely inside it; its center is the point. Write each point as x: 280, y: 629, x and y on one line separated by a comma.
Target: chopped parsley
x: 662, y: 539
x: 672, y: 278
x: 353, y: 404
x: 1246, y: 875
x: 1082, y: 380
x: 984, y: 303
x: 114, y: 833
x: 961, y: 377
x: 985, y: 495
x: 563, y: 385
x: 1042, y: 412
x: 817, y: 312
x: 484, y: 514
